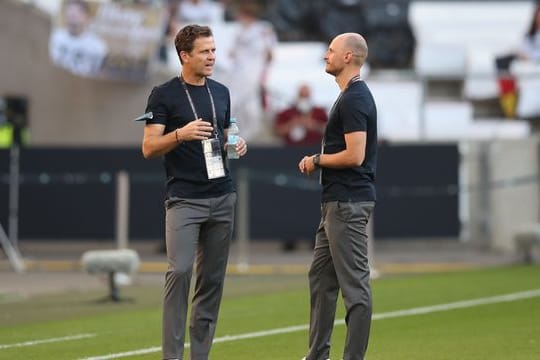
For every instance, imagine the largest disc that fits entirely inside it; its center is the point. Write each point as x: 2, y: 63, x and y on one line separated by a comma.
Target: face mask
x: 304, y: 105
x: 298, y: 133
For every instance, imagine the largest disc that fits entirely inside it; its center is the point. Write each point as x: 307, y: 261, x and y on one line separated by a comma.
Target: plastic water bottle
x: 232, y: 140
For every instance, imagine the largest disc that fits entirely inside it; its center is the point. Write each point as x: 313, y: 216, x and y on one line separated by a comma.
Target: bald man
x: 347, y: 163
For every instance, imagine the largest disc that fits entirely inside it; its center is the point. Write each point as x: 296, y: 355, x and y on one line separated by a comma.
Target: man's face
x: 334, y: 57
x: 202, y: 58
x: 76, y: 19
x: 304, y: 92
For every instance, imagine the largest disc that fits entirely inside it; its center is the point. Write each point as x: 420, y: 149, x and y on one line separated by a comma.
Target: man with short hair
x: 186, y: 122
x: 75, y: 47
x: 348, y: 164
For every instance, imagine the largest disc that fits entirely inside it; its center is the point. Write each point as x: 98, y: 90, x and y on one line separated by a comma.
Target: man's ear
x: 184, y: 56
x: 348, y: 57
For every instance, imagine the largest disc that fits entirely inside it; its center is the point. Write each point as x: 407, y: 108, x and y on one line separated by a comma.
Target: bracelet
x: 176, y: 135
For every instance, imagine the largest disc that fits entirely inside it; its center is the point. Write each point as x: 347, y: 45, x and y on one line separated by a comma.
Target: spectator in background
x: 529, y: 51
x: 180, y: 13
x: 13, y: 121
x: 73, y: 46
x: 170, y: 29
x: 251, y: 54
x: 6, y: 129
x: 139, y: 2
x: 530, y: 48
x: 195, y: 11
x: 303, y: 123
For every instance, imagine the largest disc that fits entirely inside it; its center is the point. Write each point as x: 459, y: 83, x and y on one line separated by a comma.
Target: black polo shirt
x: 184, y: 165
x: 354, y: 111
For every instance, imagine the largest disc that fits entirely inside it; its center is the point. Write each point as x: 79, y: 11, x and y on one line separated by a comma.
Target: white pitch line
x: 126, y: 354
x: 460, y: 304
x: 47, y: 341
x: 387, y: 315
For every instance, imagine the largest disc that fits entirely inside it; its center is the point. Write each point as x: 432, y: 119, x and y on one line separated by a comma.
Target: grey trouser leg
x: 340, y: 262
x: 200, y: 231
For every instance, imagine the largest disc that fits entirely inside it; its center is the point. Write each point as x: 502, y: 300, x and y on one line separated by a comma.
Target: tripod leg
x: 113, y: 287
x: 12, y: 253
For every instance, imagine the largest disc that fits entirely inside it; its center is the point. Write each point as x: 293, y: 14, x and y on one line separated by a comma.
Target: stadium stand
x: 460, y: 39
x: 457, y: 42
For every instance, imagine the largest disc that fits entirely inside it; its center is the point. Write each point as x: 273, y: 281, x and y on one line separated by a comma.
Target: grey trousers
x: 197, y: 231
x: 340, y: 261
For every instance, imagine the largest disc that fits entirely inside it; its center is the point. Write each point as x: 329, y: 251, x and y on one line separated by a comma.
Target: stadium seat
x: 460, y: 39
x: 295, y: 63
x: 453, y: 120
x: 398, y: 108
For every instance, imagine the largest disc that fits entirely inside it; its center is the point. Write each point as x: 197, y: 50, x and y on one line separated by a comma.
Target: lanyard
x: 354, y: 79
x: 214, y: 117
x: 323, y: 141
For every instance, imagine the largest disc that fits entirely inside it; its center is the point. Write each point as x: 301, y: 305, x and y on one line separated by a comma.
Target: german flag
x: 508, y: 94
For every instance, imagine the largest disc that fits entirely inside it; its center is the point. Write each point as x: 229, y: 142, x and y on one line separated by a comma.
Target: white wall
x: 515, y: 205
x: 502, y: 194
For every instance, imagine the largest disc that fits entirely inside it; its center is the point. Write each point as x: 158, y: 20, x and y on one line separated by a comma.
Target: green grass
x: 505, y: 330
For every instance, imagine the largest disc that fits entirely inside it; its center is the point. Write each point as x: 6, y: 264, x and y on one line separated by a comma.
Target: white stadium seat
x: 460, y: 39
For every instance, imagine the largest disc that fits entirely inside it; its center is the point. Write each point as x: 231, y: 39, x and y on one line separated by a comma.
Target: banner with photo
x: 112, y: 40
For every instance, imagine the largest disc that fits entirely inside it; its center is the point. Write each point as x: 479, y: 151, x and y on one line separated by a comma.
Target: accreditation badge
x: 213, y: 159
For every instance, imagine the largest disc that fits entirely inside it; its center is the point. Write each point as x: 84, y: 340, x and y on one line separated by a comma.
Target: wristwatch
x: 317, y: 160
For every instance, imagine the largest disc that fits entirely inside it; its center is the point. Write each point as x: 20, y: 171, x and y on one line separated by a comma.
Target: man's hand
x: 195, y: 130
x: 306, y: 165
x: 241, y: 146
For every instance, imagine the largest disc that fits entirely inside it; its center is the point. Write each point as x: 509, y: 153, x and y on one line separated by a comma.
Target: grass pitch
x: 265, y: 317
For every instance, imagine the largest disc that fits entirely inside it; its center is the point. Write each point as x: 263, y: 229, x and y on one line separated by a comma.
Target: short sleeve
x: 354, y: 114
x: 157, y: 106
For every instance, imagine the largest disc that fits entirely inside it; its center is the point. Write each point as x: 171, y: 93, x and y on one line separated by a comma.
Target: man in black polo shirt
x: 187, y: 121
x: 347, y: 163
